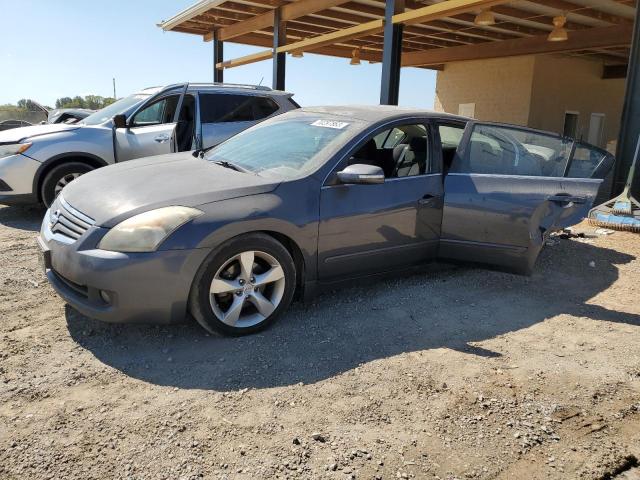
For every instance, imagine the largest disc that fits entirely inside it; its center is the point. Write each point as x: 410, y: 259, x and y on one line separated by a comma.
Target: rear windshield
x: 284, y: 148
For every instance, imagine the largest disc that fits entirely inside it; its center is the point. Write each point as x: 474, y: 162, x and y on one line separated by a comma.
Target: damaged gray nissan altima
x: 304, y: 200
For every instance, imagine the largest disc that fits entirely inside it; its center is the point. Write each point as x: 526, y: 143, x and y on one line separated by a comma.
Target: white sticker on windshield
x: 330, y: 124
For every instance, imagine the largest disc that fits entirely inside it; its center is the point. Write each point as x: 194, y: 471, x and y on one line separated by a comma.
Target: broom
x: 622, y: 212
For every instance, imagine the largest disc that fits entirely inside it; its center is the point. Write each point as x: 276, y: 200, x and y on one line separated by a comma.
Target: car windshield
x: 121, y: 106
x: 283, y: 148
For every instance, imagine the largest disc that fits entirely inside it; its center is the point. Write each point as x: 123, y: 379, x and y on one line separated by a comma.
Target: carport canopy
x: 423, y: 34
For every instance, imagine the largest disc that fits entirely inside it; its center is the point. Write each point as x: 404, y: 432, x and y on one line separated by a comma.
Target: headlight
x: 13, y: 149
x: 144, y: 232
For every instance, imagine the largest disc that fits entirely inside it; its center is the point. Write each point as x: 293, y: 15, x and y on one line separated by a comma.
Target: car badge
x: 55, y: 216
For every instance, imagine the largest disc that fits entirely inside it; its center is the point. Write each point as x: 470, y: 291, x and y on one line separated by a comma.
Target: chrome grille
x: 67, y: 221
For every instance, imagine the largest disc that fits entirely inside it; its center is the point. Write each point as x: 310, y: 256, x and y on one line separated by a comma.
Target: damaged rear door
x: 509, y: 187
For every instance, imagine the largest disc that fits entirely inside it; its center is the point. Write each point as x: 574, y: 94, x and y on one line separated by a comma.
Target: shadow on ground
x: 27, y: 218
x: 448, y: 307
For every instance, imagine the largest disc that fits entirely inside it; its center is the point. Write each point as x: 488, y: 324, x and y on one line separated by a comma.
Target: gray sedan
x: 306, y: 200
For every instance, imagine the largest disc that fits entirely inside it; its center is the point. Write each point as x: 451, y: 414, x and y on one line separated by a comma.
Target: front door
x: 151, y: 131
x: 372, y: 228
x: 509, y: 187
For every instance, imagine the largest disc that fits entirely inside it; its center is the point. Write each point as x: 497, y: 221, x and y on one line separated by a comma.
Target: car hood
x: 112, y: 194
x: 16, y: 135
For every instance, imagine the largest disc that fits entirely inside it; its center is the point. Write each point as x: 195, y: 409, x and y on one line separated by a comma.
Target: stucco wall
x: 533, y: 90
x: 500, y: 88
x: 563, y: 84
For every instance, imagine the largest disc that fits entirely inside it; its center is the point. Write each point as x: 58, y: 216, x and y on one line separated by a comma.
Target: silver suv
x: 37, y: 162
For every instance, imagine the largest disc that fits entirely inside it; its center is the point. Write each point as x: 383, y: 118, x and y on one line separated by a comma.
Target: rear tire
x: 243, y: 286
x: 59, y: 177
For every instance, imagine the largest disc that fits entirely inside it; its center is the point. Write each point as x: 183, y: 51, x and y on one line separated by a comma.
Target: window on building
x: 570, y: 128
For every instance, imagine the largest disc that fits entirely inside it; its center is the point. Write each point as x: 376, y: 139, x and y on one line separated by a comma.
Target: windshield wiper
x: 200, y: 153
x: 232, y: 166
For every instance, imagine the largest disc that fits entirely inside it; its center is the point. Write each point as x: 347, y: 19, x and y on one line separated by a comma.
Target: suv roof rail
x: 240, y: 85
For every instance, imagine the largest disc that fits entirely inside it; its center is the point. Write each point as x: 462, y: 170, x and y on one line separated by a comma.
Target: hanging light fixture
x: 297, y: 54
x: 355, y: 57
x: 485, y: 17
x: 559, y: 33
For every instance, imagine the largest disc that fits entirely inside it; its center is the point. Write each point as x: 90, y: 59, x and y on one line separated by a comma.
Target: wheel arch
x: 87, y: 158
x: 296, y: 253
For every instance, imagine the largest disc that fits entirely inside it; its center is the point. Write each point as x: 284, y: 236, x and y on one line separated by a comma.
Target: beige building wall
x: 500, y: 88
x: 535, y: 91
x: 565, y: 84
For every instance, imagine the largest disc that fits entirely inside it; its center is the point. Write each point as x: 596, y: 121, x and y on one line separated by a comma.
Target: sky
x: 57, y: 48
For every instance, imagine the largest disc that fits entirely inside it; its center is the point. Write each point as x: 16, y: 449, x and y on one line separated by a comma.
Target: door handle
x: 427, y: 199
x: 162, y: 138
x: 566, y: 199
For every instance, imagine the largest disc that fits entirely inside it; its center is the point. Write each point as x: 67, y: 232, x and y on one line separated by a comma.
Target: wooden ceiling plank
x: 289, y: 11
x: 580, y: 40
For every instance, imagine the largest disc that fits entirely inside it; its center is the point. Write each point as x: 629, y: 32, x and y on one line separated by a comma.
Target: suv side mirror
x: 120, y: 121
x: 361, y: 174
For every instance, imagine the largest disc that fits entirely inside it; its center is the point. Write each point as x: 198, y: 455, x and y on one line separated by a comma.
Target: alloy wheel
x: 247, y: 289
x: 64, y: 181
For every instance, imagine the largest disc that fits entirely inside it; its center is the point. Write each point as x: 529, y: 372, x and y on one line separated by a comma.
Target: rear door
x: 509, y: 187
x: 151, y: 130
x: 223, y: 115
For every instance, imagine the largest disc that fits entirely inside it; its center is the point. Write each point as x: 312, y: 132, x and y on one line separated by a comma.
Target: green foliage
x: 93, y: 102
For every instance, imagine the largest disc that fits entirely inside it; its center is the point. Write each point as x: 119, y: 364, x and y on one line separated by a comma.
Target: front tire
x: 58, y: 178
x: 243, y: 286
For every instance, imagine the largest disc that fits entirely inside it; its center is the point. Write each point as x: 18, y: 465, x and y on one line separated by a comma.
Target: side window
x: 450, y: 138
x: 402, y: 151
x: 511, y: 151
x: 263, y: 107
x: 224, y: 107
x: 585, y: 161
x: 159, y: 112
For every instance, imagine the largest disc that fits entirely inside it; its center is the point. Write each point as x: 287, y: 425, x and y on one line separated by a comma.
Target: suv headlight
x: 13, y: 149
x: 146, y: 231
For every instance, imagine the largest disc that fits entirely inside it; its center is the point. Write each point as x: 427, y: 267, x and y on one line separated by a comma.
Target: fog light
x: 105, y: 296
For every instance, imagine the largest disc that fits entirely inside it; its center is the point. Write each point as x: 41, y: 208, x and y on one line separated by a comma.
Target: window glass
x: 509, y: 151
x: 450, y: 136
x: 124, y: 105
x: 283, y: 148
x: 585, y: 161
x: 159, y: 112
x: 402, y: 151
x: 263, y: 107
x: 223, y: 107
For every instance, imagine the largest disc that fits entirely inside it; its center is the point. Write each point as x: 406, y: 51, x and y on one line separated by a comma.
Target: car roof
x: 376, y: 113
x: 217, y: 87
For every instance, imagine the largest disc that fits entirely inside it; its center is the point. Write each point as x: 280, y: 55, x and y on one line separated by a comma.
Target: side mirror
x: 120, y: 121
x: 361, y: 174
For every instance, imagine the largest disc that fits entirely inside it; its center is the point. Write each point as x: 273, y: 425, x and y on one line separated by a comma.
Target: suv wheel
x: 60, y: 177
x: 243, y: 286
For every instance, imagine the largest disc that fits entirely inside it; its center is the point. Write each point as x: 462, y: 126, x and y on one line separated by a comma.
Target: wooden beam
x: 247, y: 59
x: 442, y: 9
x: 289, y: 11
x: 579, y: 40
x: 334, y: 37
x: 565, y: 6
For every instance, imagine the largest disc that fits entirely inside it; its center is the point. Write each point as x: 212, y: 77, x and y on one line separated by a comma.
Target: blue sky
x: 55, y: 48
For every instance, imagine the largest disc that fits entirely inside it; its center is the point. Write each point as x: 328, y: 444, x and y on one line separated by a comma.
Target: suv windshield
x: 283, y: 148
x: 121, y: 106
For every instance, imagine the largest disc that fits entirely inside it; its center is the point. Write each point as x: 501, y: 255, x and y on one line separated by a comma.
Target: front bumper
x: 18, y: 172
x: 119, y: 287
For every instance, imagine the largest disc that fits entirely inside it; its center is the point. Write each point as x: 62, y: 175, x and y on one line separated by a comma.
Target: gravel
x: 456, y: 372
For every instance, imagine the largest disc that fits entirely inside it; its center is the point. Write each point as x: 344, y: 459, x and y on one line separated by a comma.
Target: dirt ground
x: 457, y: 372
